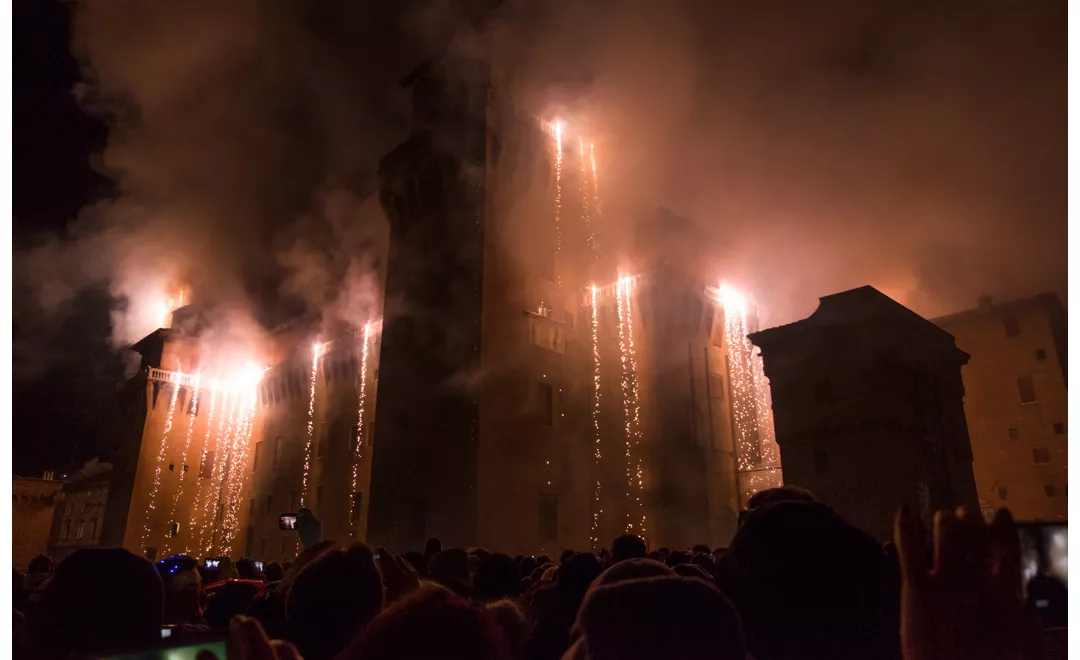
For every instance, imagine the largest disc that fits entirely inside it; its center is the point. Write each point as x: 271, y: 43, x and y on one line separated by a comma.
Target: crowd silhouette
x: 797, y: 583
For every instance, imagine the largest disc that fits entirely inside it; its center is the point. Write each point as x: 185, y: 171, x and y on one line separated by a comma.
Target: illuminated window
x: 1027, y: 389
x: 1041, y: 455
x: 1014, y: 434
x: 258, y: 456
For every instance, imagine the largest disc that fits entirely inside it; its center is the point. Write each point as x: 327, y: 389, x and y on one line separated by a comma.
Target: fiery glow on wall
x: 168, y: 305
x: 195, y: 531
x: 631, y: 408
x: 558, y: 130
x: 183, y: 459
x: 360, y: 406
x: 757, y: 455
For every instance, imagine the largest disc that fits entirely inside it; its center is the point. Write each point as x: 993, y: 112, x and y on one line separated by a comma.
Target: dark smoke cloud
x: 916, y: 146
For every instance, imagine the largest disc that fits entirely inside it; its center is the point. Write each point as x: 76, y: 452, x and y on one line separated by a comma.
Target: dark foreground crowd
x: 797, y: 582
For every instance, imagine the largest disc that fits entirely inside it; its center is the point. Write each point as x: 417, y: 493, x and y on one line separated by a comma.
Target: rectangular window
x: 258, y: 456
x: 1027, y: 389
x: 545, y: 407
x: 67, y: 529
x: 174, y: 530
x: 269, y: 505
x: 357, y: 502
x: 93, y: 529
x: 549, y: 517
x: 318, y: 495
x: 1012, y: 325
x: 1040, y: 354
x: 1051, y: 490
x: 716, y: 386
x: 206, y: 467
x: 821, y: 461
x: 262, y: 547
x: 1059, y: 428
x: 294, y: 497
x: 193, y: 407
x: 320, y: 444
x: 79, y: 532
x: 251, y: 507
x: 1003, y: 493
x: 276, y: 450
x: 1014, y: 434
x: 1041, y: 455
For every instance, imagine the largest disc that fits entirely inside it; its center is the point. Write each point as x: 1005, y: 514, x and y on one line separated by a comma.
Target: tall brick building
x: 1017, y: 403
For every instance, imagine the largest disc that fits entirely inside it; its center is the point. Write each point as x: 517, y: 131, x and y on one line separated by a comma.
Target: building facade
x: 213, y: 453
x: 80, y: 510
x: 1016, y: 403
x: 540, y: 393
x: 33, y: 503
x: 869, y: 409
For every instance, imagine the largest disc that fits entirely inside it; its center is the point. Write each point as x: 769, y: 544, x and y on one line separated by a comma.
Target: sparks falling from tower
x: 596, y: 422
x: 315, y: 349
x: 558, y: 197
x: 183, y: 455
x: 197, y: 502
x: 631, y: 408
x: 151, y: 504
x: 225, y: 431
x: 360, y: 406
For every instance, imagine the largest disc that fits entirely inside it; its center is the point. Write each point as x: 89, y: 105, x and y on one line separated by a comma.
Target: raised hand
x: 967, y: 604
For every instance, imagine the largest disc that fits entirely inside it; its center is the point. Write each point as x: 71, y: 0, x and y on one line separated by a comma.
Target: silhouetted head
x: 511, y: 619
x: 332, y: 599
x: 705, y: 561
x: 418, y: 561
x: 450, y: 568
x: 432, y: 547
x: 566, y: 554
x: 780, y: 494
x: 273, y: 572
x: 806, y: 582
x: 183, y: 588
x: 693, y: 571
x: 100, y: 599
x: 431, y: 623
x: 627, y: 546
x: 677, y: 557
x: 661, y: 617
x: 227, y: 601
x: 40, y: 565
x: 226, y: 570
x: 633, y: 569
x: 496, y: 578
x: 528, y: 565
x: 575, y: 577
x: 543, y: 559
x: 245, y: 569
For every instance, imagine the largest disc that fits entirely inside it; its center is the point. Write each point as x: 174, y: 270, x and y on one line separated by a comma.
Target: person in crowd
x: 566, y: 554
x: 226, y: 571
x: 705, y: 561
x: 450, y: 568
x: 331, y: 600
x: 431, y: 623
x: 511, y: 619
x: 693, y: 571
x: 658, y: 617
x: 273, y: 572
x: 99, y: 599
x: 432, y: 547
x: 543, y: 559
x: 527, y: 565
x: 496, y: 578
x: 552, y: 633
x: 228, y: 600
x: 627, y: 546
x: 807, y: 584
x: 184, y: 597
x: 245, y: 570
x: 677, y: 557
x: 417, y: 561
x: 632, y: 569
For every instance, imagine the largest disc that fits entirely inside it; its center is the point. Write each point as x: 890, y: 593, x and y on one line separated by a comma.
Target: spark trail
x: 311, y: 421
x: 597, y: 510
x: 631, y: 407
x: 151, y: 504
x: 360, y: 406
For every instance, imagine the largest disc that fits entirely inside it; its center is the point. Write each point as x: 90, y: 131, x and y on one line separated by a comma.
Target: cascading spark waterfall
x: 151, y: 503
x: 558, y: 197
x: 631, y: 407
x: 194, y: 541
x: 315, y: 350
x: 183, y: 462
x: 596, y: 422
x: 360, y: 406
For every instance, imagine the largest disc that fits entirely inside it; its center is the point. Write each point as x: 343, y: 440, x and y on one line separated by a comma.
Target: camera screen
x: 287, y: 521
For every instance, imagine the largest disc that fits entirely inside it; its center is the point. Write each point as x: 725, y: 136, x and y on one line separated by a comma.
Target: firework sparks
x: 183, y: 459
x: 360, y: 406
x: 558, y: 195
x: 315, y: 352
x: 151, y: 505
x: 199, y: 489
x: 631, y: 409
x: 596, y: 422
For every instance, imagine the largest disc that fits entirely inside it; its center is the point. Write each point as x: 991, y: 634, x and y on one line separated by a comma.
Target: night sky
x: 813, y: 147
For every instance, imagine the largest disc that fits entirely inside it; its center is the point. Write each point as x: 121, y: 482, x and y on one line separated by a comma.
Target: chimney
x: 985, y: 302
